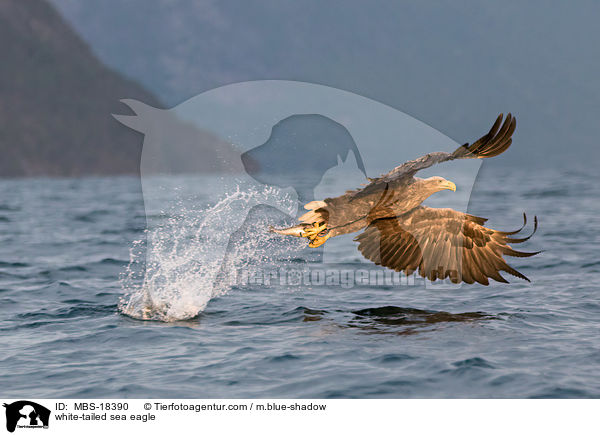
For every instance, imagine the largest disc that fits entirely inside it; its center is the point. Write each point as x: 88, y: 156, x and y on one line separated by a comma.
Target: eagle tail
x: 316, y: 212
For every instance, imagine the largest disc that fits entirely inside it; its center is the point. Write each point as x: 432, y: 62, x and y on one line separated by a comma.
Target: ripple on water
x: 393, y: 358
x: 286, y: 357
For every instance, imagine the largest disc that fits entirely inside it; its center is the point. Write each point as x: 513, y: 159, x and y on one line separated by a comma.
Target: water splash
x: 182, y: 263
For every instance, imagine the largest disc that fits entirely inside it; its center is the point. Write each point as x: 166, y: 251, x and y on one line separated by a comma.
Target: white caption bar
x: 278, y: 416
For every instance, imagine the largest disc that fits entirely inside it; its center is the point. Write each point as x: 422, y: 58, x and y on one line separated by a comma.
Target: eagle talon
x: 314, y: 231
x: 317, y: 234
x: 318, y: 241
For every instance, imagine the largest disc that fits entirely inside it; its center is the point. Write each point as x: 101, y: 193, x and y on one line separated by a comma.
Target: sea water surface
x: 65, y: 253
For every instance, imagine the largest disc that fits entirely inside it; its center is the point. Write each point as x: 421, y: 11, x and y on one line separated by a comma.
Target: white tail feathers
x: 313, y: 216
x: 313, y: 205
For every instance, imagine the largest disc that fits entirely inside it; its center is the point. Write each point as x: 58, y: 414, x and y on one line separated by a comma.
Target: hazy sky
x: 453, y: 65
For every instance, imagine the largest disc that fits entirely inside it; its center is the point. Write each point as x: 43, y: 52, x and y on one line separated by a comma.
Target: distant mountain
x: 56, y: 100
x: 453, y: 65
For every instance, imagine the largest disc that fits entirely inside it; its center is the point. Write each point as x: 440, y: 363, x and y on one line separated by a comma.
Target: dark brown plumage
x: 439, y: 244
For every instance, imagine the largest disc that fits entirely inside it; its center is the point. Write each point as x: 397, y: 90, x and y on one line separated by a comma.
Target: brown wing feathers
x: 441, y: 243
x: 492, y: 144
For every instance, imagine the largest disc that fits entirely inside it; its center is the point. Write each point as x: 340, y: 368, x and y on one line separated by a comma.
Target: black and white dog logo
x: 26, y: 414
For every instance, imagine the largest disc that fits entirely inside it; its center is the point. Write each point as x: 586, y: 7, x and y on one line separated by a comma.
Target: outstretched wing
x: 495, y: 142
x: 441, y: 243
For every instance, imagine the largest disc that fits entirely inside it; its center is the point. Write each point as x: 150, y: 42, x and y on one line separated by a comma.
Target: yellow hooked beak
x: 449, y: 185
